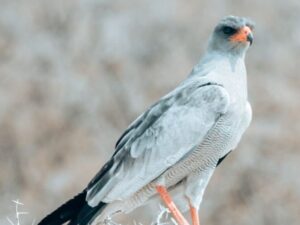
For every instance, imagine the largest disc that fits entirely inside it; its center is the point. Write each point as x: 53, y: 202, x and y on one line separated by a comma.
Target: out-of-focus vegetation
x: 74, y: 74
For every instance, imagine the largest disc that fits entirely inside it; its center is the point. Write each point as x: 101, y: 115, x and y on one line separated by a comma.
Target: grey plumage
x: 186, y: 119
x: 179, y: 141
x: 148, y: 152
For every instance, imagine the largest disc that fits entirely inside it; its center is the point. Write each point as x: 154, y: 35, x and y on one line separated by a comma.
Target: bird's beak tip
x: 250, y: 38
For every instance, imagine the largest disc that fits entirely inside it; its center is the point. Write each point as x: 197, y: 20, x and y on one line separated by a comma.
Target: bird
x: 173, y: 148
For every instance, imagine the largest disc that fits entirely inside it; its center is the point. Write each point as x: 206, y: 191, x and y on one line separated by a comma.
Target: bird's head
x: 232, y: 35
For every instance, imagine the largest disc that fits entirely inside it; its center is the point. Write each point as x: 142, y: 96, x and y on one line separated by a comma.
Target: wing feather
x: 158, y: 139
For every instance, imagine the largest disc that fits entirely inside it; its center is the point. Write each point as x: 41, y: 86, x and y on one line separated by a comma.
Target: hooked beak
x: 250, y: 38
x: 243, y: 35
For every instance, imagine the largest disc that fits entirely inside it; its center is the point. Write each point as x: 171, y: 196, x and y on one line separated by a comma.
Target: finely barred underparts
x: 217, y: 141
x: 202, y: 160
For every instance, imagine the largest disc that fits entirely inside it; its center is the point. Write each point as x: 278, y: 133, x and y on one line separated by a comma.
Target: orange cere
x: 241, y: 35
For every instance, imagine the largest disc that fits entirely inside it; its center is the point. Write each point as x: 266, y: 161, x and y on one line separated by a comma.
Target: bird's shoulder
x: 192, y: 93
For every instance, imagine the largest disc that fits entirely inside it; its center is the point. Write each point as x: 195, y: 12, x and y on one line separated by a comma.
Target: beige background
x: 74, y: 74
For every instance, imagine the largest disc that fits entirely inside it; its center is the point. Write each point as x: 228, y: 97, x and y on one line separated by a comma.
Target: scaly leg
x: 194, y: 215
x: 171, y: 205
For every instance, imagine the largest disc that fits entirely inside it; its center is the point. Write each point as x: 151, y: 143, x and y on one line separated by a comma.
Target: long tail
x: 76, y: 210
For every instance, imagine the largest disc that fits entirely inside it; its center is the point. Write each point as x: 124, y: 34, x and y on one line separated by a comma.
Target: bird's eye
x: 228, y: 30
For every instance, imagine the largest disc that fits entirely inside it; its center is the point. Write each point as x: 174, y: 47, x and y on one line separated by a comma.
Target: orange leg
x: 194, y: 215
x: 171, y: 205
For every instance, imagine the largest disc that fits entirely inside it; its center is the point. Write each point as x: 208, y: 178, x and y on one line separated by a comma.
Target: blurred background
x: 74, y: 74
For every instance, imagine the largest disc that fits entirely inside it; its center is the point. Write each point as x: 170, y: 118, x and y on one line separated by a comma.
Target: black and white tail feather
x: 76, y: 211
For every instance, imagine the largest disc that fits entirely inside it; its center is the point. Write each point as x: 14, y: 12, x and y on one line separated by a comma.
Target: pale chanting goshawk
x: 177, y: 143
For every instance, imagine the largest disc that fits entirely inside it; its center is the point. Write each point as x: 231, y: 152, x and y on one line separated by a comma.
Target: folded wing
x: 158, y: 139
